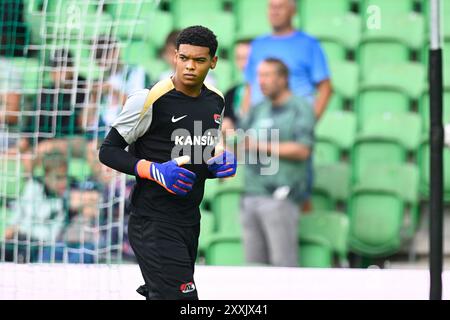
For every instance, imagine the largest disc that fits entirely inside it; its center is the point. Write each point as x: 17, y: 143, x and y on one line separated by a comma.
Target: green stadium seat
x: 376, y: 219
x: 393, y: 28
x: 397, y: 77
x: 222, y: 24
x: 313, y: 9
x: 333, y: 180
x: 224, y: 74
x: 404, y: 180
x: 338, y: 127
x: 379, y: 101
x: 344, y: 29
x: 315, y: 253
x: 225, y: 251
x: 11, y: 178
x: 336, y: 103
x: 138, y: 51
x: 131, y: 19
x: 321, y: 200
x: 155, y: 67
x: 388, y: 7
x: 405, y: 127
x: 180, y: 8
x: 79, y: 169
x: 33, y: 74
x: 207, y: 225
x: 344, y: 77
x: 333, y: 51
x: 226, y: 204
x: 257, y: 25
x: 163, y: 21
x: 446, y: 62
x: 326, y: 152
x: 424, y: 110
x: 322, y: 234
x: 368, y: 151
x: 372, y: 54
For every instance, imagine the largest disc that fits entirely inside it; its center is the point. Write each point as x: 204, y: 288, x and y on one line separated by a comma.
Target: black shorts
x: 166, y: 255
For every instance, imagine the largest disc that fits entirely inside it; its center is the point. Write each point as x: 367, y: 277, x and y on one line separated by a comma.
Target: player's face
x: 281, y: 13
x: 56, y: 180
x: 270, y: 81
x: 193, y: 64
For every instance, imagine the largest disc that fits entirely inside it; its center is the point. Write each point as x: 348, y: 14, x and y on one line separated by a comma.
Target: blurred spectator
x: 57, y: 114
x: 269, y: 207
x: 168, y: 54
x: 38, y: 216
x: 302, y: 53
x: 121, y: 79
x: 48, y: 213
x: 234, y: 96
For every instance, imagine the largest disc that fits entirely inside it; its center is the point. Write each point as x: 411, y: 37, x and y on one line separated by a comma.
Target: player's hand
x: 223, y: 165
x: 170, y: 175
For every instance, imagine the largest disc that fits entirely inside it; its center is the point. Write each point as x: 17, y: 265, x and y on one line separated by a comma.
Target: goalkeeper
x: 179, y: 113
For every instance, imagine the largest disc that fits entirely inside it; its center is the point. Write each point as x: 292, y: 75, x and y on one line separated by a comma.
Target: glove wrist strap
x: 143, y: 169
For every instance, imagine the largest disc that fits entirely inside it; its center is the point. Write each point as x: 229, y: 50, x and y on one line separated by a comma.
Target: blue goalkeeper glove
x: 223, y: 165
x: 169, y: 175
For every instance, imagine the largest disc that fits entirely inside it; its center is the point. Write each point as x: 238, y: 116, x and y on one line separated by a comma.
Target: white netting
x: 62, y: 82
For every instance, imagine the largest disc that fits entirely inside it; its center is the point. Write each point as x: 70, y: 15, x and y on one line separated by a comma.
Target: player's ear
x: 214, y: 62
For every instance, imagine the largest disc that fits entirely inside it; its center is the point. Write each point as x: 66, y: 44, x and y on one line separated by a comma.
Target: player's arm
x: 134, y: 120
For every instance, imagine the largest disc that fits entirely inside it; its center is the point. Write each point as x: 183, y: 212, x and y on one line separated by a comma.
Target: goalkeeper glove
x: 223, y: 165
x: 169, y: 175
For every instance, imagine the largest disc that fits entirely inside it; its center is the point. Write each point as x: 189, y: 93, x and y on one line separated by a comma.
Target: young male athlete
x: 181, y: 113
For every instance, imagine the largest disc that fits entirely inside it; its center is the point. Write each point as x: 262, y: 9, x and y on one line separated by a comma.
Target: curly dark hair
x: 198, y: 36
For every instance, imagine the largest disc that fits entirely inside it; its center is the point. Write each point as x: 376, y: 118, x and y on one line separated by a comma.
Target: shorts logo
x: 217, y: 118
x: 187, y: 287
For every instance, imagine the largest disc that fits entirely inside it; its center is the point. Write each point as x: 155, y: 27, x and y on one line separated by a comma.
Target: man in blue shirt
x: 309, y: 74
x: 308, y: 69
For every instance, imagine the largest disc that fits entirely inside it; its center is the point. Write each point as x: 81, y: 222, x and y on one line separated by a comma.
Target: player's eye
x: 183, y: 58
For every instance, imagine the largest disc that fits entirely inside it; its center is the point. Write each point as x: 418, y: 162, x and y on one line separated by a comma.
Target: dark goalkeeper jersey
x: 160, y: 124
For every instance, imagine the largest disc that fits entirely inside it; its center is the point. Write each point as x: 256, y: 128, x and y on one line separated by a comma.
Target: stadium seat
x: 221, y: 23
x: 312, y: 9
x: 32, y: 73
x: 372, y: 54
x: 404, y: 180
x: 321, y: 200
x: 163, y: 21
x: 397, y: 77
x: 344, y: 29
x: 11, y: 178
x: 424, y: 110
x: 223, y: 74
x: 137, y: 51
x: 370, y: 150
x: 338, y: 127
x: 79, y: 169
x: 446, y: 62
x: 207, y: 225
x: 333, y: 51
x: 336, y: 103
x: 257, y: 25
x: 333, y: 180
x: 405, y: 127
x: 393, y: 29
x: 388, y: 7
x: 226, y: 204
x: 379, y: 101
x: 154, y: 67
x: 345, y: 78
x: 375, y: 222
x: 180, y: 8
x: 326, y: 152
x: 225, y: 251
x: 322, y: 234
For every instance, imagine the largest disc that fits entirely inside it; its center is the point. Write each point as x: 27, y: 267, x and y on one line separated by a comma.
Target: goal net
x: 65, y: 71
